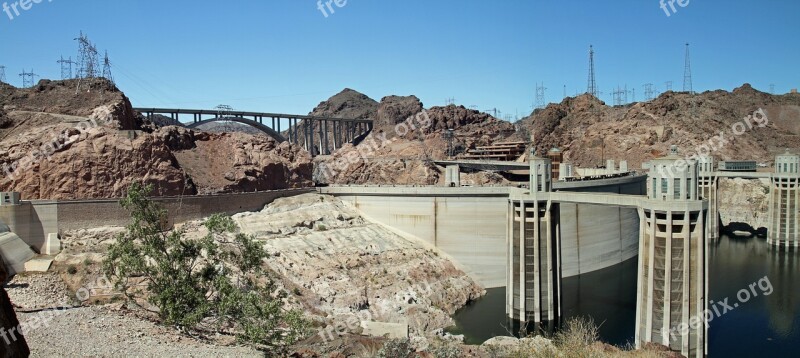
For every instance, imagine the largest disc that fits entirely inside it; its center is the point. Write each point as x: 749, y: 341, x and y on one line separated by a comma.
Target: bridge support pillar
x: 672, y: 269
x: 784, y: 203
x: 324, y: 137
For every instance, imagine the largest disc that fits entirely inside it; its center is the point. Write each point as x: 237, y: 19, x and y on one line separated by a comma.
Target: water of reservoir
x: 766, y: 325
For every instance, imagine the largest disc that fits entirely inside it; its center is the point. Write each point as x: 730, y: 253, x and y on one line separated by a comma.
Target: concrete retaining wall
x: 33, y: 220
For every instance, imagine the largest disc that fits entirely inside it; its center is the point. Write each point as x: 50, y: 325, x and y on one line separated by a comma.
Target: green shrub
x: 397, y: 348
x: 219, y: 278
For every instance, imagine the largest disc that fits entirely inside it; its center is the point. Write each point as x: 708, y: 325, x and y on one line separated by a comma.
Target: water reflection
x: 783, y: 304
x: 607, y: 296
x: 765, y: 325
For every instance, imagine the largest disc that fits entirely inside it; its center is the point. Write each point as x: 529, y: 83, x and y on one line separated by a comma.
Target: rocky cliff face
x: 587, y: 130
x: 77, y: 98
x: 101, y: 162
x: 743, y: 201
x: 59, y: 144
x: 402, y: 153
x: 346, y: 266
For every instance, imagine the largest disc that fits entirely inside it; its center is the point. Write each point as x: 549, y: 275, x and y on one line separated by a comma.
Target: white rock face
x: 744, y: 201
x: 348, y: 267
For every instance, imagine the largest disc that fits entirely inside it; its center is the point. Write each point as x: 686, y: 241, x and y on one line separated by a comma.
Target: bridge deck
x: 211, y: 112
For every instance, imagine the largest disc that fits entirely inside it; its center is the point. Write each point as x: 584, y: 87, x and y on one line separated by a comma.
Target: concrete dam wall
x: 471, y: 224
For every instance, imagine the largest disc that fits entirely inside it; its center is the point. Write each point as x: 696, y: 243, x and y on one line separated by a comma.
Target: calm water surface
x: 766, y: 325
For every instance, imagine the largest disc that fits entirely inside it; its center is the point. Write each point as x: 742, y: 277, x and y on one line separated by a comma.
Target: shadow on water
x: 765, y: 325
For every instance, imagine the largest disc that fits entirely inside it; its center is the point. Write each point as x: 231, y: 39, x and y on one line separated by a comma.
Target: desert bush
x: 397, y: 348
x: 217, y: 280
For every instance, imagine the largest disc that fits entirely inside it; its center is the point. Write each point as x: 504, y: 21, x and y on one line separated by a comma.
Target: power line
x: 540, y: 101
x: 592, y: 87
x: 28, y: 78
x: 66, y: 68
x: 619, y: 96
x: 687, y: 73
x: 648, y: 91
x: 87, y: 57
x: 107, y: 69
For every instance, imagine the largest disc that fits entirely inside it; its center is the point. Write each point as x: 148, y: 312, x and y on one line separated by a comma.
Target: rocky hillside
x: 56, y: 144
x: 405, y: 139
x: 347, y: 267
x: 76, y: 98
x: 588, y: 131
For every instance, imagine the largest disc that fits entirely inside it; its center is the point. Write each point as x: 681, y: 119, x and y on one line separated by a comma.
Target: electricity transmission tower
x: 592, y: 88
x: 633, y: 94
x: 540, y: 103
x: 620, y: 96
x: 3, y: 74
x: 772, y: 88
x: 668, y: 86
x: 107, y: 69
x: 648, y: 91
x: 687, y: 73
x: 28, y: 78
x: 66, y: 68
x: 87, y: 58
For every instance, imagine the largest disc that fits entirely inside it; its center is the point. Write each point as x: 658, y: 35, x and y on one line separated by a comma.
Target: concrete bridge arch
x: 266, y: 129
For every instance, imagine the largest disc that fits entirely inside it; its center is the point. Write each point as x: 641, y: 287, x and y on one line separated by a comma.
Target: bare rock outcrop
x: 395, y: 109
x: 79, y: 98
x: 403, y: 153
x: 101, y: 162
x: 744, y: 201
x: 238, y: 162
x: 588, y: 131
x: 345, y: 265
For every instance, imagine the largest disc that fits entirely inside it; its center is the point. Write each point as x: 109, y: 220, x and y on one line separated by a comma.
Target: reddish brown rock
x: 102, y: 163
x: 588, y: 131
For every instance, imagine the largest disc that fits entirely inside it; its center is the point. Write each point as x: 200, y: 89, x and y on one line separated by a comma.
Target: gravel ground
x: 100, y: 332
x: 38, y: 290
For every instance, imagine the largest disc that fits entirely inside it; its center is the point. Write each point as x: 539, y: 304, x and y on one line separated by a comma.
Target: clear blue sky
x: 286, y: 56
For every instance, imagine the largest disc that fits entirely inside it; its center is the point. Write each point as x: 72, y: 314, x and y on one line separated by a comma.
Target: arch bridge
x: 318, y: 135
